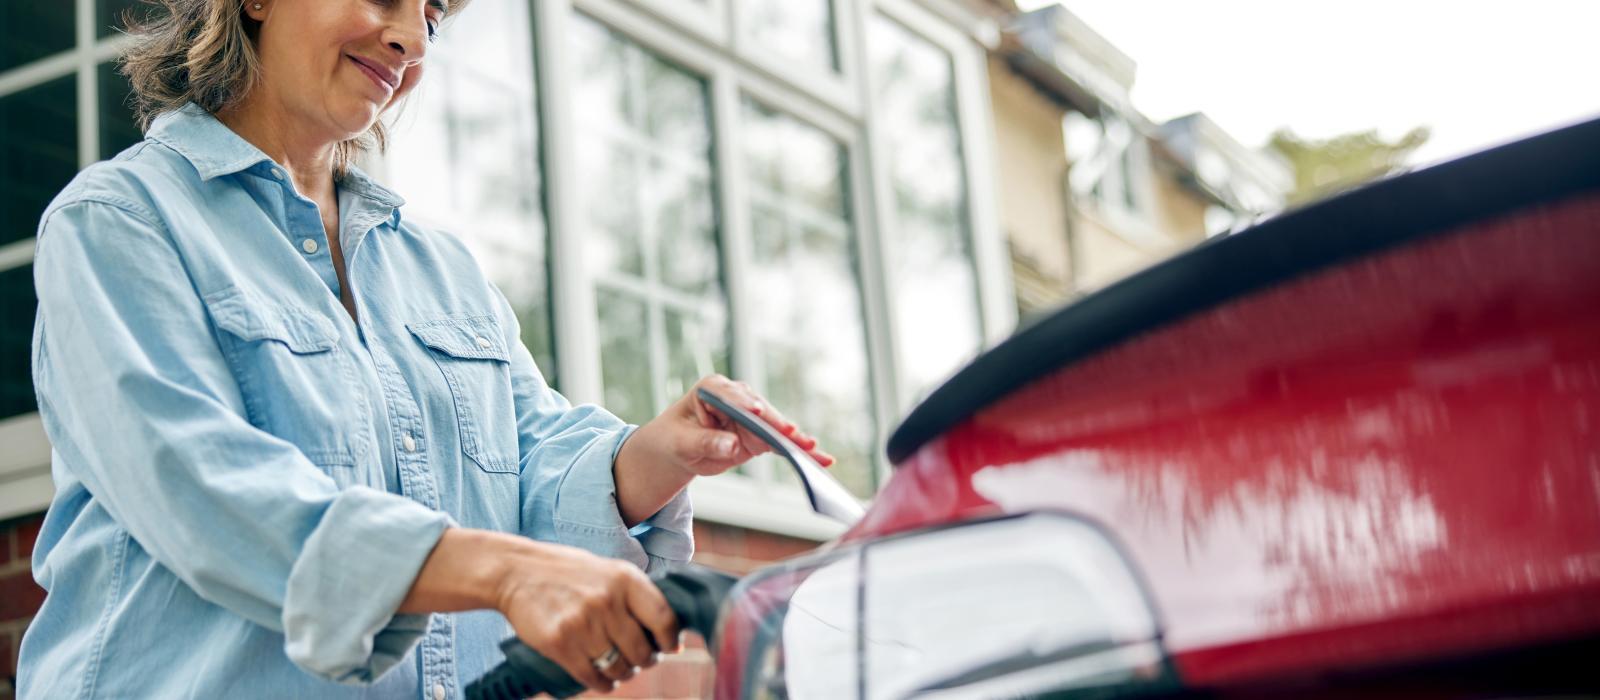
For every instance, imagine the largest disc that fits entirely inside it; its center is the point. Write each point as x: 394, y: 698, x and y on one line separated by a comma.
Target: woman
x: 289, y: 424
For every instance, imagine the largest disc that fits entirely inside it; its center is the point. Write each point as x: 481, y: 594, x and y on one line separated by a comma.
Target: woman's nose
x: 408, y: 38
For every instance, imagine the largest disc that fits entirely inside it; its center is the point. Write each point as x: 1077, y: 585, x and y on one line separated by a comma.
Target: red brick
x: 768, y: 547
x: 639, y: 687
x: 8, y: 653
x: 27, y: 533
x: 20, y: 597
x: 705, y: 535
x: 5, y: 544
x: 716, y: 538
x: 737, y: 566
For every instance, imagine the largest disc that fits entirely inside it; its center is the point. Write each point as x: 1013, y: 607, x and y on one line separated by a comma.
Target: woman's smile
x: 373, y: 77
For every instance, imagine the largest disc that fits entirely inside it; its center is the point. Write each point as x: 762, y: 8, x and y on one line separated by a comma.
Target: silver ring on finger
x: 606, y: 660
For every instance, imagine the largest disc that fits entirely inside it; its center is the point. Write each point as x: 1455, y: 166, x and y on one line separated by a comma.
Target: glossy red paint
x: 1393, y: 459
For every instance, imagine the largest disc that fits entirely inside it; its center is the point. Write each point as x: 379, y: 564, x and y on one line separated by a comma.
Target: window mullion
x: 576, y: 321
x: 88, y: 85
x: 734, y: 207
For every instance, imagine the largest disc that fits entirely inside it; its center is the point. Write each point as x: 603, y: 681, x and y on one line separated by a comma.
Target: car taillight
x: 751, y: 660
x: 1015, y: 606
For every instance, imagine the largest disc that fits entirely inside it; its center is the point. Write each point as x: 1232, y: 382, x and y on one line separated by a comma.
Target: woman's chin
x: 358, y: 116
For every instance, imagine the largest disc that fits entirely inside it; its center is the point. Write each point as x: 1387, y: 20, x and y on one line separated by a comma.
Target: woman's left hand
x: 703, y: 442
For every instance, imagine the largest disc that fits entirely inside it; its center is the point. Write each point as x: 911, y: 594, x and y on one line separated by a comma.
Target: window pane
x: 494, y: 39
x: 38, y: 153
x: 929, y: 256
x: 17, y: 306
x: 674, y: 107
x: 695, y: 347
x: 686, y: 226
x: 800, y: 30
x: 33, y: 29
x: 624, y: 355
x: 117, y: 127
x: 465, y: 155
x: 810, y: 326
x: 644, y: 174
x: 109, y: 14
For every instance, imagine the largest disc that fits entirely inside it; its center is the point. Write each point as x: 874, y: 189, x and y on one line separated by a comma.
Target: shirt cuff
x: 357, y: 566
x: 586, y: 511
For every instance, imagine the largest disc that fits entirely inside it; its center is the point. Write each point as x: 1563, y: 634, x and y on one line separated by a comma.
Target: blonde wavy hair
x: 203, y: 51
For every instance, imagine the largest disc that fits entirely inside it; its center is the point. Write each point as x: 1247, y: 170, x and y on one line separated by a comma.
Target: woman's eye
x: 433, y: 32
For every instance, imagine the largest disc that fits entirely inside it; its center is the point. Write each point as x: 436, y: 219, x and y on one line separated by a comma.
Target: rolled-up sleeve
x: 569, y: 491
x: 141, y: 407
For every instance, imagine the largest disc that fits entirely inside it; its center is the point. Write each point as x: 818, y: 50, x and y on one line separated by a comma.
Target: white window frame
x: 711, y: 21
x: 991, y: 260
x: 25, y: 485
x: 839, y: 106
x: 705, y: 41
x: 831, y: 86
x: 755, y: 500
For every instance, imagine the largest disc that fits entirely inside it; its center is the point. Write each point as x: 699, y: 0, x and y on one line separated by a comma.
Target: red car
x: 1353, y: 450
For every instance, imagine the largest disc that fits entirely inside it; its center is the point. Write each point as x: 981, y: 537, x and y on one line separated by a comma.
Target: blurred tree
x: 1325, y: 166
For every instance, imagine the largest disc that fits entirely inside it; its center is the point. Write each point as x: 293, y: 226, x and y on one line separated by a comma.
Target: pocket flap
x: 252, y: 319
x: 473, y: 338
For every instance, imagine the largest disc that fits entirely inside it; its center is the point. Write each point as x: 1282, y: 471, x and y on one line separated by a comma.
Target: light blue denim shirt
x: 248, y: 480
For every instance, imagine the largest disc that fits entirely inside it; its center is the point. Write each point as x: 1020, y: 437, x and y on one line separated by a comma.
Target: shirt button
x: 308, y: 245
x: 409, y: 443
x: 277, y: 174
x: 438, y: 691
x: 483, y: 342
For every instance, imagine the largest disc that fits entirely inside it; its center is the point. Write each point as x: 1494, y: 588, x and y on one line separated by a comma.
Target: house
x: 1128, y: 192
x: 829, y: 199
x: 799, y: 194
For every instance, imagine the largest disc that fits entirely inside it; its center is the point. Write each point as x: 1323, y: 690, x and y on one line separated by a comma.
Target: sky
x: 1477, y: 73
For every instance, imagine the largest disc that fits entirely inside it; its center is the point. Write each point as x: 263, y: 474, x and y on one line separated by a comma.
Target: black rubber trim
x: 1378, y: 216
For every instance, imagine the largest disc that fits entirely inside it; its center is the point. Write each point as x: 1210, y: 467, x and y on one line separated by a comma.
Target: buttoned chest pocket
x: 294, y: 380
x: 471, y: 354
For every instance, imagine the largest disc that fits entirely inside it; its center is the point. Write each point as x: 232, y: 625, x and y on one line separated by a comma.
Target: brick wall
x: 20, y: 597
x: 687, y: 675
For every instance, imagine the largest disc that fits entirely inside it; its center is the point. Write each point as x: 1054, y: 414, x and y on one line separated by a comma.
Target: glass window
x: 109, y: 14
x: 624, y: 355
x: 34, y: 29
x: 644, y: 174
x: 801, y: 30
x: 1129, y: 198
x: 806, y: 294
x: 927, y: 250
x: 465, y: 157
x: 38, y: 152
x: 117, y: 128
x: 17, y: 306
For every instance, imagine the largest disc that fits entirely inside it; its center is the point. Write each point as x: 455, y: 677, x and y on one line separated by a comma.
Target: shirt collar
x: 215, y: 150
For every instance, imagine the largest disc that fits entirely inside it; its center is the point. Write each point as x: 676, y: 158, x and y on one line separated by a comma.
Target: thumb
x: 708, y: 443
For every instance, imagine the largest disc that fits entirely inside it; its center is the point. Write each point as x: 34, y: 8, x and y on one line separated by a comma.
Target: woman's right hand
x: 566, y: 603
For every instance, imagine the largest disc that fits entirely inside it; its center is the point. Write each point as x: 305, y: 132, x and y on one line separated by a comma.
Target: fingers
x: 650, y: 610
x: 580, y: 665
x: 629, y: 639
x: 742, y: 394
x: 575, y: 625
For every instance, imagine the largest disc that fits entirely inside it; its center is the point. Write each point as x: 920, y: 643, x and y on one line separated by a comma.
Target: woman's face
x: 339, y: 64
